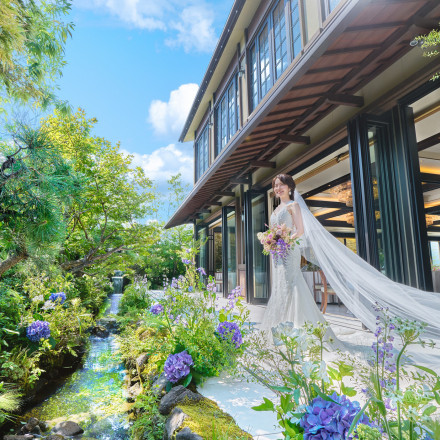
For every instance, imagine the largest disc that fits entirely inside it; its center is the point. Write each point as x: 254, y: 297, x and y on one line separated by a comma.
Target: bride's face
x: 281, y: 189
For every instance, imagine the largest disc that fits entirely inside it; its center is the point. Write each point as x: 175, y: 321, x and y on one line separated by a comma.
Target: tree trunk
x: 12, y: 261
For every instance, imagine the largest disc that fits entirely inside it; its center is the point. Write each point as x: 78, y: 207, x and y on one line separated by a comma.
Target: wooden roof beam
x: 354, y: 49
x: 430, y: 178
x: 425, y: 23
x: 225, y: 194
x: 240, y: 181
x: 263, y: 164
x: 215, y: 203
x: 428, y: 142
x: 294, y: 139
x: 344, y: 99
x: 331, y: 68
x: 325, y: 204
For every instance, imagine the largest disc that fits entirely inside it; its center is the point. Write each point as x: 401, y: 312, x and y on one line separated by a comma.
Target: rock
x: 142, y: 360
x: 173, y: 423
x: 43, y: 426
x: 134, y: 391
x: 159, y: 385
x: 67, y: 428
x: 134, y: 380
x: 145, y: 335
x: 18, y: 437
x: 100, y: 331
x: 110, y: 324
x: 54, y: 437
x: 30, y: 426
x: 176, y: 395
x: 187, y: 434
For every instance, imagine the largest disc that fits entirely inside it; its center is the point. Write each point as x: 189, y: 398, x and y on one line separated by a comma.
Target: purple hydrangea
x: 59, y: 297
x: 156, y: 309
x: 326, y: 420
x: 230, y: 330
x: 177, y: 366
x: 38, y: 330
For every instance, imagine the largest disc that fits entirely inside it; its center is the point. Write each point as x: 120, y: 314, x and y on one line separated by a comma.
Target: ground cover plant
x: 316, y: 401
x: 181, y: 333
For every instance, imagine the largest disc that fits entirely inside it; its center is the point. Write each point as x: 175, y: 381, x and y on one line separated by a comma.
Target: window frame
x: 223, y: 130
x: 202, y: 141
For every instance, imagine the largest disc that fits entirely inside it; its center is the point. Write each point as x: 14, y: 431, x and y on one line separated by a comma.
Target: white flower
x: 38, y: 298
x: 322, y: 372
x: 48, y: 305
x: 308, y: 368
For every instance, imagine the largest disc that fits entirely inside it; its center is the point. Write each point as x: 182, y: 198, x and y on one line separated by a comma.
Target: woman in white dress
x: 291, y: 299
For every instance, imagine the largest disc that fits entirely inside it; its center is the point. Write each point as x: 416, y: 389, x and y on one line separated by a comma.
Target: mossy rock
x: 206, y: 419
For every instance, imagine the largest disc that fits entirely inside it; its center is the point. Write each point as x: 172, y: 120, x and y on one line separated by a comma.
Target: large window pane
x: 296, y: 28
x: 280, y: 39
x: 232, y: 115
x: 231, y: 252
x: 202, y: 153
x: 253, y: 77
x: 259, y: 260
x: 264, y: 54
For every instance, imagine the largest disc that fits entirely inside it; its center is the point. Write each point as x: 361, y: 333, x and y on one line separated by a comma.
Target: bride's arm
x: 295, y: 212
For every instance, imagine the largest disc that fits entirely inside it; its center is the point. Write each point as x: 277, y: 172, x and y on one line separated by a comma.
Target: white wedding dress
x: 291, y: 299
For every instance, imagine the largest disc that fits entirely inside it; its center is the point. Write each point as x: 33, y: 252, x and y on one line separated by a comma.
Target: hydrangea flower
x: 186, y: 261
x: 330, y: 420
x: 38, y: 298
x: 177, y: 366
x: 59, y: 297
x: 156, y: 309
x: 38, y: 330
x: 230, y: 330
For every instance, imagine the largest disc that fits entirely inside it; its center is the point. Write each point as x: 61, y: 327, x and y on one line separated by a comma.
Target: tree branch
x: 12, y: 261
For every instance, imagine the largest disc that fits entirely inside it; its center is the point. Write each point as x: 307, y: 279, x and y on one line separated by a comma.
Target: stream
x: 94, y: 395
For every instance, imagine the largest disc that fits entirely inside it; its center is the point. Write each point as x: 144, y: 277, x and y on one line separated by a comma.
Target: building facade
x: 339, y: 95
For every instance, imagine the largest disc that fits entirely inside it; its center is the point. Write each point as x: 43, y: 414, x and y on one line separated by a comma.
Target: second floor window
x: 227, y: 115
x: 276, y: 45
x: 202, y: 153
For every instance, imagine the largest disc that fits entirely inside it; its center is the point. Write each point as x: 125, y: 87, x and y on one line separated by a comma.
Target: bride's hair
x: 287, y: 180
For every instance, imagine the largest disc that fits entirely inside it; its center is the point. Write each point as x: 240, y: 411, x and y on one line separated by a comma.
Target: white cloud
x: 169, y: 117
x: 188, y: 23
x: 194, y: 29
x: 165, y: 162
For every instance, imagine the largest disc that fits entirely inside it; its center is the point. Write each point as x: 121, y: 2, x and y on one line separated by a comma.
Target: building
x: 338, y: 94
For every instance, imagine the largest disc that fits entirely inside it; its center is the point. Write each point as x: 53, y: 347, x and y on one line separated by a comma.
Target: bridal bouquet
x: 277, y: 241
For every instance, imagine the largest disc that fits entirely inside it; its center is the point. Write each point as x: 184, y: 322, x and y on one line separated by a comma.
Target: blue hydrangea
x: 230, y: 330
x: 325, y: 420
x: 38, y: 330
x: 156, y: 309
x: 177, y: 366
x: 59, y: 297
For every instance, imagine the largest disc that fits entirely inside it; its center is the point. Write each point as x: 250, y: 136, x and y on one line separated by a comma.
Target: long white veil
x: 359, y: 285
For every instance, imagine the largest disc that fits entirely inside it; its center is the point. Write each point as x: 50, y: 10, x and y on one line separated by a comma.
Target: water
x: 94, y: 395
x: 118, y: 281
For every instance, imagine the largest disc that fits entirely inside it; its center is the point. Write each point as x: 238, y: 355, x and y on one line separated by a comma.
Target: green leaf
x: 38, y: 317
x: 321, y: 394
x: 168, y: 387
x: 426, y: 370
x: 430, y: 410
x: 281, y: 389
x: 266, y: 406
x: 52, y: 342
x: 222, y: 318
x: 348, y: 391
x: 297, y: 395
x: 11, y: 332
x: 187, y: 380
x: 357, y: 418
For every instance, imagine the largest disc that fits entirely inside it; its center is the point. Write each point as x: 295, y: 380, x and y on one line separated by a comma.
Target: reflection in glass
x: 231, y: 260
x: 260, y: 261
x: 373, y: 142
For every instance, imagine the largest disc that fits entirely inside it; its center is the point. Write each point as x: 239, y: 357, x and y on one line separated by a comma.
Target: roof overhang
x: 358, y: 43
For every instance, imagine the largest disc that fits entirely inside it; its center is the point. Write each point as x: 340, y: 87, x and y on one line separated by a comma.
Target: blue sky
x: 135, y: 65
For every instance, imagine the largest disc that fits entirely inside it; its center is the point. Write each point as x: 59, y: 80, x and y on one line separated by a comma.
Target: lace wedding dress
x: 291, y: 299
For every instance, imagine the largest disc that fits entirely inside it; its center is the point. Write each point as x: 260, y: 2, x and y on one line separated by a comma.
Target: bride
x: 358, y: 284
x: 291, y: 299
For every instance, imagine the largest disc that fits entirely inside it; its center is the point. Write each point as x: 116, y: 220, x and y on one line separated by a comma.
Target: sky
x: 136, y: 65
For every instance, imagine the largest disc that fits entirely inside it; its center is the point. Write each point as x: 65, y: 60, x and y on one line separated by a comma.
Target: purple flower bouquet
x: 38, y: 330
x: 230, y: 330
x: 177, y: 366
x: 59, y: 297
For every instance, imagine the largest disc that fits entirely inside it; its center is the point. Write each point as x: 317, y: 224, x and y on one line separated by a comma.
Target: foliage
x: 430, y: 44
x: 403, y: 413
x: 32, y: 45
x: 104, y: 228
x: 36, y: 185
x: 162, y: 257
x: 149, y: 423
x: 9, y: 402
x: 135, y: 297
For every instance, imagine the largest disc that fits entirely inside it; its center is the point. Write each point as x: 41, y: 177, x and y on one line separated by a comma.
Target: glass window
x: 280, y: 39
x: 296, y: 28
x: 202, y: 153
x: 227, y: 112
x: 253, y: 76
x: 264, y: 55
x: 231, y: 251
